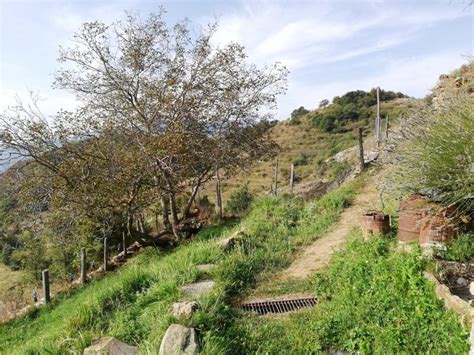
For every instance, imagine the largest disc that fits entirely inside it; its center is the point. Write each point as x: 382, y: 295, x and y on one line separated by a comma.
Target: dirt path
x: 318, y: 254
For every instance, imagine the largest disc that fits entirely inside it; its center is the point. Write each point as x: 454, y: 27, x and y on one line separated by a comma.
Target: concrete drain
x: 278, y: 306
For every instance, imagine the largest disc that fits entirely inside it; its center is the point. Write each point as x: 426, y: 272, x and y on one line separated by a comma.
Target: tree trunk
x: 174, y: 216
x: 165, y: 212
x: 191, y: 200
x: 219, y: 209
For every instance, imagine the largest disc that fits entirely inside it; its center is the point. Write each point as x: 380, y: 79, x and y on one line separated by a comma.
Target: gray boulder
x: 179, y: 340
x: 110, y: 346
x: 184, y: 309
x: 198, y: 288
x: 227, y: 244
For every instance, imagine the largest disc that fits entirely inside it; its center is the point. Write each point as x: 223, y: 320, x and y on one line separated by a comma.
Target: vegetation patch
x: 371, y: 300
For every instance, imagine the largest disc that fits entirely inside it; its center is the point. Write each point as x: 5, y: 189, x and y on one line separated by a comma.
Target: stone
x: 471, y: 288
x: 198, y: 288
x: 205, y: 267
x: 184, y: 309
x: 451, y: 301
x: 461, y: 281
x: 227, y: 244
x: 371, y: 157
x: 179, y: 340
x: 110, y: 346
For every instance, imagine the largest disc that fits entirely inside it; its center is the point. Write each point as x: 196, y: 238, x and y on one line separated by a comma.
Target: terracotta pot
x: 440, y: 228
x: 412, y: 210
x: 374, y: 222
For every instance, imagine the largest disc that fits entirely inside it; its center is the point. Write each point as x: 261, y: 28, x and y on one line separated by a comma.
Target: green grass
x: 133, y: 304
x: 371, y: 300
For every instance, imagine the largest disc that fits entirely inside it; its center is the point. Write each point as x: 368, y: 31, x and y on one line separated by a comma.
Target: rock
x: 461, y: 281
x: 179, y: 340
x: 205, y: 267
x: 227, y: 244
x: 198, y: 288
x: 370, y: 157
x: 471, y: 288
x: 458, y: 81
x: 110, y: 346
x: 184, y: 309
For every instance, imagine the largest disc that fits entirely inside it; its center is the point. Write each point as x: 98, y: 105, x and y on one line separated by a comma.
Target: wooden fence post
x: 219, y: 208
x: 292, y: 178
x: 361, y: 151
x: 83, y: 266
x: 275, y: 191
x: 377, y: 119
x: 105, y: 254
x: 46, y: 294
x: 387, y: 126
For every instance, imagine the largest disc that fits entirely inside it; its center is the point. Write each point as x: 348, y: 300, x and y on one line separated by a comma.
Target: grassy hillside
x: 133, y: 304
x: 307, y: 146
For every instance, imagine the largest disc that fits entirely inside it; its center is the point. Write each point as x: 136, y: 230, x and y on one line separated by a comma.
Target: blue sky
x: 330, y: 47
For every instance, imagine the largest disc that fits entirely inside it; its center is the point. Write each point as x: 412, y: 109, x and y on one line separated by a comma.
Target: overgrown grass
x: 133, y: 304
x: 371, y: 300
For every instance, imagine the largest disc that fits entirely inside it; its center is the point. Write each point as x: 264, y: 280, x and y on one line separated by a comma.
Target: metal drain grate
x: 278, y: 306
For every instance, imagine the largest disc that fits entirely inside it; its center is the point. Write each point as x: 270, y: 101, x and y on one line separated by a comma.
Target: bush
x: 240, y: 201
x: 460, y: 249
x: 301, y: 160
x: 434, y: 153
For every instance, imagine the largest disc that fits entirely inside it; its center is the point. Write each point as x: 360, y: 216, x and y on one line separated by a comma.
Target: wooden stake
x: 387, y: 126
x: 275, y: 191
x: 361, y: 151
x: 377, y: 119
x: 124, y: 244
x: 46, y: 294
x: 219, y: 208
x: 105, y: 254
x: 292, y: 178
x: 83, y: 266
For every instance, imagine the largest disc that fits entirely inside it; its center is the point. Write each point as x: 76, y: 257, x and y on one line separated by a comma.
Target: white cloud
x: 413, y: 76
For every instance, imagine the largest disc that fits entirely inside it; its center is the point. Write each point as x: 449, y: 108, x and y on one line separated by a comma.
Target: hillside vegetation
x: 307, y: 140
x: 133, y: 304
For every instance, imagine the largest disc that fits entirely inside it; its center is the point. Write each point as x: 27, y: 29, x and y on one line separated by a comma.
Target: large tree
x: 189, y: 107
x: 160, y: 109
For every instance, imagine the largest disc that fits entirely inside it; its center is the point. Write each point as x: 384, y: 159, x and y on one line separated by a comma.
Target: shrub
x: 460, y: 249
x: 434, y: 153
x: 301, y: 160
x: 240, y: 200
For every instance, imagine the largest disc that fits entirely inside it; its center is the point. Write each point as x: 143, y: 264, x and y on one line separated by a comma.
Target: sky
x: 330, y: 47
